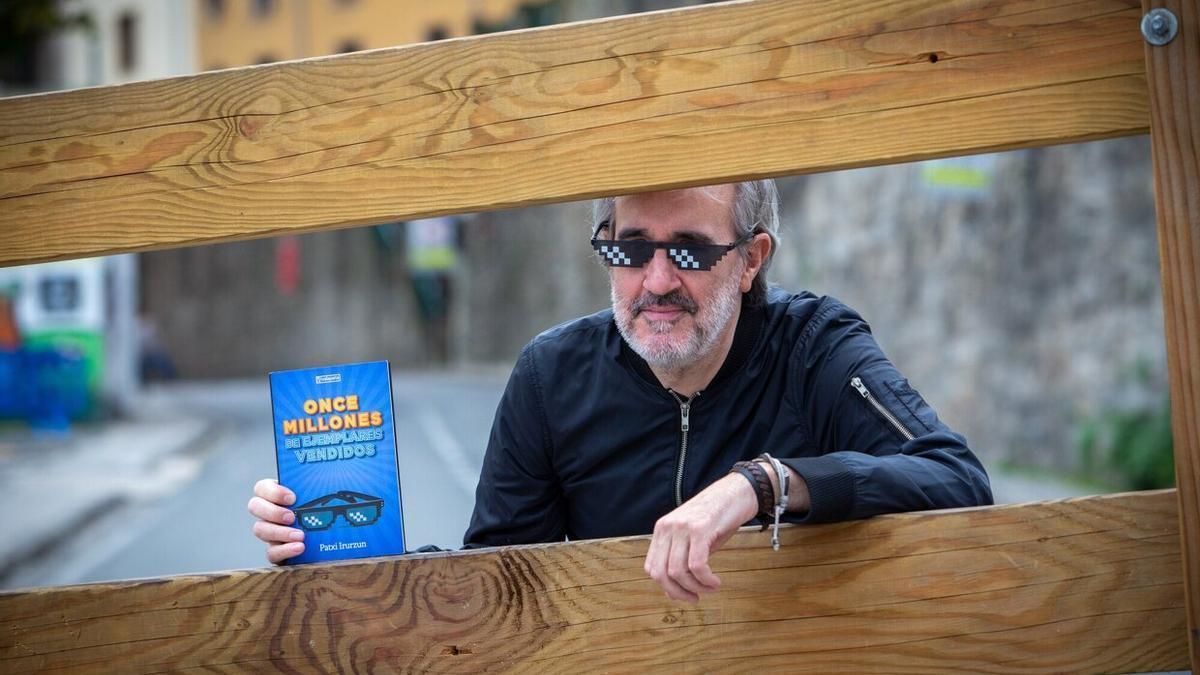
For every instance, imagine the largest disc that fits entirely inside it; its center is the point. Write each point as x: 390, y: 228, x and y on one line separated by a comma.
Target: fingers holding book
x: 269, y: 506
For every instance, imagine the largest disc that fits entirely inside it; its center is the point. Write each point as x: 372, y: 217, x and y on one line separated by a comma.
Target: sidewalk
x: 57, y: 484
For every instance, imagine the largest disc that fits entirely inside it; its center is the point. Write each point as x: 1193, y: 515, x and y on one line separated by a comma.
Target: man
x: 642, y: 418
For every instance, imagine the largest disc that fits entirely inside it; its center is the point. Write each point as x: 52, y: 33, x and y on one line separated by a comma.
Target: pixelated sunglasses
x: 357, y: 509
x: 685, y: 256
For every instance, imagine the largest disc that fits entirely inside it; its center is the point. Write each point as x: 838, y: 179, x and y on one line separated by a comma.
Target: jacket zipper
x: 857, y: 383
x: 685, y: 409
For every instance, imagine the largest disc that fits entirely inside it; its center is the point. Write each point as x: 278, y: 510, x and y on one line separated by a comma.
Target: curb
x: 44, y: 545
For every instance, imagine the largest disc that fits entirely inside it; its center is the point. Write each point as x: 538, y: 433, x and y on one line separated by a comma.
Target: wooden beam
x: 1174, y: 77
x: 1082, y: 585
x: 684, y: 97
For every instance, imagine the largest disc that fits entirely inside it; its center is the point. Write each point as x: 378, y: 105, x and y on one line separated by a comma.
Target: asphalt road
x: 197, y: 520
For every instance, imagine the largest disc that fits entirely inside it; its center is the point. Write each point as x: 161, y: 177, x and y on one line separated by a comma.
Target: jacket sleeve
x: 518, y: 499
x: 882, y: 447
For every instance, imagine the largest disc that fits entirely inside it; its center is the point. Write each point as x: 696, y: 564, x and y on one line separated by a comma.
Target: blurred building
x: 78, y: 319
x: 130, y: 40
x: 245, y: 32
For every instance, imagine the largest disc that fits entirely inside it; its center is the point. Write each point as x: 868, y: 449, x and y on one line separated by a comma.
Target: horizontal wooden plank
x: 1083, y: 585
x: 685, y: 97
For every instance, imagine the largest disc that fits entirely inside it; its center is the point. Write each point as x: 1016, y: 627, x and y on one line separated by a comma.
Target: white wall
x: 165, y: 39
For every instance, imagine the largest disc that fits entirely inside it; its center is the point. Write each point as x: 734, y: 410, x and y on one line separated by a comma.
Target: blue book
x: 335, y: 447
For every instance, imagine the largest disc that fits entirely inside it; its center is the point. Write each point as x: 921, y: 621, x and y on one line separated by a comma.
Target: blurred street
x: 166, y: 492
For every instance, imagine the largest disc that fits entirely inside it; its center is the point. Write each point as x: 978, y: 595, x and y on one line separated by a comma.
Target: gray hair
x: 755, y: 209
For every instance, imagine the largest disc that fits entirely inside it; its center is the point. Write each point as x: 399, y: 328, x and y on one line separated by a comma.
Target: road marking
x: 447, y: 449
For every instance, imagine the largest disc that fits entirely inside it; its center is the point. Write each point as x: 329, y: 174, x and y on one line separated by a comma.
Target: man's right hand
x: 269, y: 504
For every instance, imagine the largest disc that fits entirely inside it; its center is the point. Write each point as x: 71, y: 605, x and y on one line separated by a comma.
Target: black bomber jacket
x: 586, y: 443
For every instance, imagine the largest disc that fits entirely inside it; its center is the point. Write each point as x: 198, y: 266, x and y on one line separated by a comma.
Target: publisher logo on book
x: 326, y: 379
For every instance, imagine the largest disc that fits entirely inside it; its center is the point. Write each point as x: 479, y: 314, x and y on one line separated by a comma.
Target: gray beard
x: 679, y: 356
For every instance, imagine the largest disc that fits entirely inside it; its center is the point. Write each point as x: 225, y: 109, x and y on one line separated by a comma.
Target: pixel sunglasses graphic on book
x: 357, y: 509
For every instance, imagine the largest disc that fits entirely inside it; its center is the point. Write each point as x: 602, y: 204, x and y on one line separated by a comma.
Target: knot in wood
x: 248, y: 127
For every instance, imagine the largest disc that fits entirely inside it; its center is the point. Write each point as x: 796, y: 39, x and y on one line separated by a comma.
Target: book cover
x: 335, y: 447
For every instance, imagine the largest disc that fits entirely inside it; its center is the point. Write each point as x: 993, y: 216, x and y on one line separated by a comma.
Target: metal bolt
x: 1159, y: 27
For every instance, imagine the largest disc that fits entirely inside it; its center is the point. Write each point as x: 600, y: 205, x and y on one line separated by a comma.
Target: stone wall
x: 1019, y: 309
x: 220, y: 311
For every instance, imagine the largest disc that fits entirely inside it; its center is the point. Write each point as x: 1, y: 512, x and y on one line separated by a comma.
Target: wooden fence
x: 668, y: 99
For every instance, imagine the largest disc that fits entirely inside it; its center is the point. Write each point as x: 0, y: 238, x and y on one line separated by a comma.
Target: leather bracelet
x: 761, y: 482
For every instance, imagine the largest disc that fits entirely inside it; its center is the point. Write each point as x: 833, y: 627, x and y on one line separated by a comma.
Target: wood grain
x: 1173, y: 71
x: 657, y: 100
x: 1075, y: 586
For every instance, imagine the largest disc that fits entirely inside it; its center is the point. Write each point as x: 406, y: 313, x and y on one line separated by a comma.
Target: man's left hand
x: 685, y: 538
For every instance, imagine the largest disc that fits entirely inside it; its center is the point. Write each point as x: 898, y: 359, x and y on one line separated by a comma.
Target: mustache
x: 676, y: 298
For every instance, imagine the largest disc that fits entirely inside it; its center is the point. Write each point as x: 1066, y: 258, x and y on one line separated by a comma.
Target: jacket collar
x: 745, y: 337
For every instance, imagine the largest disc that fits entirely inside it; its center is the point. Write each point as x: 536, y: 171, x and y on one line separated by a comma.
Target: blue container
x: 46, y: 386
